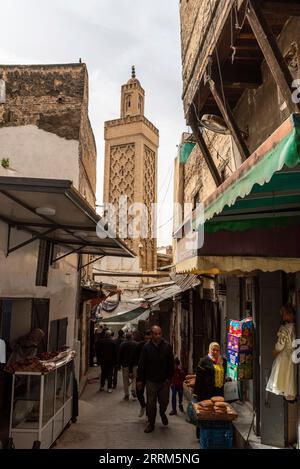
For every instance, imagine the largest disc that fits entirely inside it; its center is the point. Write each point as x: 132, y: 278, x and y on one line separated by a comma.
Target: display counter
x: 41, y: 405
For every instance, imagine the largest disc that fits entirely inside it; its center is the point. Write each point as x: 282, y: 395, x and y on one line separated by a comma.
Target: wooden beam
x: 272, y: 53
x: 286, y: 8
x: 229, y: 119
x: 194, y: 124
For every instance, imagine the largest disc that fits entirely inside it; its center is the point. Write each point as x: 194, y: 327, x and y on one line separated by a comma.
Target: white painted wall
x: 35, y: 153
x: 18, y: 274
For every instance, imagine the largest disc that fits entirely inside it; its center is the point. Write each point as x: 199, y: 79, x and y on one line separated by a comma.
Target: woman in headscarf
x: 210, y: 374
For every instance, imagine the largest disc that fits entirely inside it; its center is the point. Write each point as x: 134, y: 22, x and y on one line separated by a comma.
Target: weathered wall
x: 53, y: 99
x: 201, y: 22
x: 18, y: 275
x: 47, y: 96
x: 45, y: 132
x: 260, y: 112
x: 35, y: 153
x: 197, y: 177
x: 87, y: 153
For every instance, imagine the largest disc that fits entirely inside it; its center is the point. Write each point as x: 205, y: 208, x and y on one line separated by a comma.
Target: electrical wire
x: 167, y: 190
x: 163, y: 184
x: 166, y: 223
x: 164, y: 199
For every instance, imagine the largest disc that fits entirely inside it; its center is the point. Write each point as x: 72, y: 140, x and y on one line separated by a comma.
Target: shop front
x: 251, y: 245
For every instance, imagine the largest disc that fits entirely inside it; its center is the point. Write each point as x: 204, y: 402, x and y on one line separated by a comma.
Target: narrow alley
x: 107, y: 421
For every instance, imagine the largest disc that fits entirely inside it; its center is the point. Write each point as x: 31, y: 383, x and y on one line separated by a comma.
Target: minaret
x: 131, y: 145
x: 132, y: 97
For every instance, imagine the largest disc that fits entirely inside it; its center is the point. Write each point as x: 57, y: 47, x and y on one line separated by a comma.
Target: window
x: 42, y: 270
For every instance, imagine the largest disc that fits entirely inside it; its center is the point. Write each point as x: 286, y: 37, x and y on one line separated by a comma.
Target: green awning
x: 264, y: 191
x: 128, y: 316
x: 185, y: 151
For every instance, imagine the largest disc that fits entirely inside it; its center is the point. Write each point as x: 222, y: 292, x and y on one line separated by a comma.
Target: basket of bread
x: 214, y: 409
x: 190, y: 381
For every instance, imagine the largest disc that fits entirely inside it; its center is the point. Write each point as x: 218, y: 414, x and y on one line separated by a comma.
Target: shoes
x: 142, y: 411
x: 173, y: 412
x: 164, y: 419
x: 126, y: 398
x: 109, y: 391
x: 100, y: 390
x: 181, y: 408
x: 149, y: 428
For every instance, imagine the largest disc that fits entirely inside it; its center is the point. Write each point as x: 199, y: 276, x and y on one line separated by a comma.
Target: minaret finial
x: 133, y: 71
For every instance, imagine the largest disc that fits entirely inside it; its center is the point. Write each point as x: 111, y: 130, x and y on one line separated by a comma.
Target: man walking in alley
x: 126, y: 351
x: 156, y: 368
x: 107, y: 358
x: 141, y: 341
x: 118, y: 341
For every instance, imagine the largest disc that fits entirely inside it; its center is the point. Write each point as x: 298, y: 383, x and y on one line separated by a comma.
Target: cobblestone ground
x: 106, y: 421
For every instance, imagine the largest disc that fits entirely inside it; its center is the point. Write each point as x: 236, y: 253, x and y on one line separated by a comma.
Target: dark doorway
x: 206, y: 326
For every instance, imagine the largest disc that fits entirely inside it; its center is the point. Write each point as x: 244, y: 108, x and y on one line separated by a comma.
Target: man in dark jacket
x: 107, y: 358
x: 118, y: 341
x: 156, y: 368
x: 127, y: 349
x: 135, y: 361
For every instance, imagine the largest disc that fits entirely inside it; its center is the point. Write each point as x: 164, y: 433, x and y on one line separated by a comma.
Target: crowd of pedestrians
x: 147, y: 364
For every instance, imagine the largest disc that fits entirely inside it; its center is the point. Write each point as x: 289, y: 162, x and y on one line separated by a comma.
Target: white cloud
x: 110, y: 36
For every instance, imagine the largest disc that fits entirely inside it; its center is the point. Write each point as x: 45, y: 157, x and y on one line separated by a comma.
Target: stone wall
x: 53, y: 98
x: 260, y: 112
x: 197, y: 177
x: 47, y: 96
x: 201, y: 24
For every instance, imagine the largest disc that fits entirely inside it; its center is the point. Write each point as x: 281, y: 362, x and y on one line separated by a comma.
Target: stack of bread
x: 205, y: 407
x: 190, y: 381
x: 220, y: 407
x: 214, y: 406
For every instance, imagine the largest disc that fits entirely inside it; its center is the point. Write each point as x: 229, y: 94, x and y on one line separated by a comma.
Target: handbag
x: 231, y: 391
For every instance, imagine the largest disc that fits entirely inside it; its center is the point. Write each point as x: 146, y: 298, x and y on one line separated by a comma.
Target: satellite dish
x: 215, y: 124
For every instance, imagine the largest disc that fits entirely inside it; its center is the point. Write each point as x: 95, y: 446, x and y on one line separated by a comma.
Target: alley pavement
x: 106, y: 421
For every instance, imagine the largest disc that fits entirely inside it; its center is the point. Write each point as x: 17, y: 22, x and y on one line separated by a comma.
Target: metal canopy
x: 73, y: 225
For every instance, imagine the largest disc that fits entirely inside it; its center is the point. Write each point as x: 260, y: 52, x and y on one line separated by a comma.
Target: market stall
x: 41, y: 403
x: 214, y: 419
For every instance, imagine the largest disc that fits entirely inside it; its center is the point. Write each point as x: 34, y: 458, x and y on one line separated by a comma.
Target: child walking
x: 177, y: 387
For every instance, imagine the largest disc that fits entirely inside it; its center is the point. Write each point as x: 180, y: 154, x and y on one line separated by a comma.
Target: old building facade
x: 46, y: 108
x: 239, y: 63
x: 45, y: 135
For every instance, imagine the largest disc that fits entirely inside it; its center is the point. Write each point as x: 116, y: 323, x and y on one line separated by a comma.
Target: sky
x: 109, y: 36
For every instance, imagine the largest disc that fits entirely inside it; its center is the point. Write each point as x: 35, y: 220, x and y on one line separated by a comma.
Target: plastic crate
x: 216, y: 435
